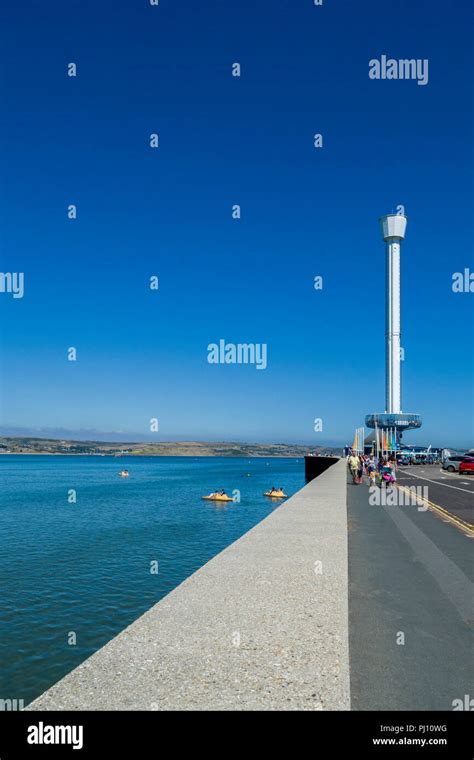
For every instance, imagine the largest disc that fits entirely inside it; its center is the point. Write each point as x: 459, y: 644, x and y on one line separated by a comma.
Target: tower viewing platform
x: 400, y: 421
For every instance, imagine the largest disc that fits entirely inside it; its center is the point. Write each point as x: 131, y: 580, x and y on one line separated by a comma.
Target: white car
x: 452, y: 463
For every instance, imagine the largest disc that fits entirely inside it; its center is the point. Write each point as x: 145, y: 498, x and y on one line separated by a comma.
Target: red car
x: 466, y: 466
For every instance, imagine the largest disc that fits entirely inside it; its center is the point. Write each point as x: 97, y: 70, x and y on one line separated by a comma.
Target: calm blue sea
x: 84, y: 567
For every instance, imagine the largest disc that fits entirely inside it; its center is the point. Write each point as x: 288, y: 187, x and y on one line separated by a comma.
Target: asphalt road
x: 411, y: 596
x: 451, y: 491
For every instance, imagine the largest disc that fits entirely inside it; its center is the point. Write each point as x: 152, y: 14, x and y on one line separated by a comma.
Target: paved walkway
x: 411, y: 611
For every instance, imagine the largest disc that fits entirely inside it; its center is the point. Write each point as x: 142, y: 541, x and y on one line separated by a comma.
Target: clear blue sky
x: 305, y: 212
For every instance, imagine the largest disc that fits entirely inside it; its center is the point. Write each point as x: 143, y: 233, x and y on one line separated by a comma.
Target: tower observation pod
x: 393, y: 421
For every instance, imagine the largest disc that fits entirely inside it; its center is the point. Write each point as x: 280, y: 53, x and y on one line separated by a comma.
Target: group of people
x: 379, y: 471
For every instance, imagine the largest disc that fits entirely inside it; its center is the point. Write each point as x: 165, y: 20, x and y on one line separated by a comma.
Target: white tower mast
x: 393, y: 422
x: 393, y: 230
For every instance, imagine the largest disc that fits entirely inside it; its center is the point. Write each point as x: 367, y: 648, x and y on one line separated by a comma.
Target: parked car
x: 466, y: 466
x: 452, y: 463
x: 421, y: 459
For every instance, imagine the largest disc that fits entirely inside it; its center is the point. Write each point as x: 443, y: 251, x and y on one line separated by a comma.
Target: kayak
x: 218, y: 497
x: 276, y: 494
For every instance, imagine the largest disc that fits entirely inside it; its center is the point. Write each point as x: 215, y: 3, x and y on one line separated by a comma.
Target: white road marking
x: 436, y: 482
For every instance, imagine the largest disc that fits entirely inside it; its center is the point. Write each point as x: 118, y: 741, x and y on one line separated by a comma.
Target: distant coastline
x: 45, y: 446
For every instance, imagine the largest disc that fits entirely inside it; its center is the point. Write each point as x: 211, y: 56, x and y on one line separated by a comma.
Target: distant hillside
x: 26, y: 445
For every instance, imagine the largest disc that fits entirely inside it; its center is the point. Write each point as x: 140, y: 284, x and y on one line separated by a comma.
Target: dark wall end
x: 314, y: 466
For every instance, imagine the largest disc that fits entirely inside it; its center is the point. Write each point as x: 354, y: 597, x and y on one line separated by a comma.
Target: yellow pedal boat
x: 276, y: 494
x: 123, y: 474
x: 217, y: 497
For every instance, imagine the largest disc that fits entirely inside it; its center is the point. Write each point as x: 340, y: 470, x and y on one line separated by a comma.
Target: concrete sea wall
x: 262, y: 626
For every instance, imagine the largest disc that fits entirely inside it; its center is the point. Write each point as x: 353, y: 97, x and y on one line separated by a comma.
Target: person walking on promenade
x: 387, y: 473
x: 372, y: 471
x: 353, y: 467
x: 392, y: 464
x: 381, y: 470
